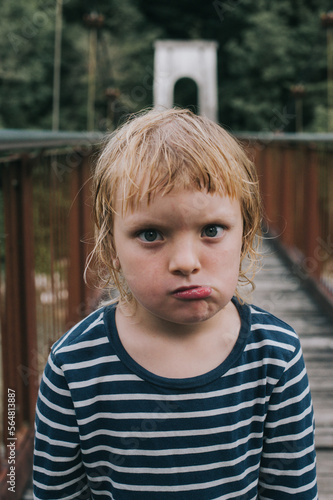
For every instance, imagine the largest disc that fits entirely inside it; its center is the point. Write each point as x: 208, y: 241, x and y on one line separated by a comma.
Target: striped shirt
x: 106, y: 428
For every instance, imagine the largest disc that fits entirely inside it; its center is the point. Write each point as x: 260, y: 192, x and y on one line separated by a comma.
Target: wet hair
x: 155, y: 152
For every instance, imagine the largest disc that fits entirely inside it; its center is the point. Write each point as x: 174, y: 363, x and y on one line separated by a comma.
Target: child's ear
x: 116, y: 263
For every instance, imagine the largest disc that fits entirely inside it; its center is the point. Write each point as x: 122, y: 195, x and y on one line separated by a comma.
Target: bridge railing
x: 46, y: 232
x: 296, y: 177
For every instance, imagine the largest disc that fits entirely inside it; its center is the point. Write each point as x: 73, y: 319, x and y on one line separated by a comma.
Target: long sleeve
x: 288, y: 465
x: 58, y: 469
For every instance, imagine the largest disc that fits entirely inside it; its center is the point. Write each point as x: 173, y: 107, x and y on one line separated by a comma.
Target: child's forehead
x: 189, y: 199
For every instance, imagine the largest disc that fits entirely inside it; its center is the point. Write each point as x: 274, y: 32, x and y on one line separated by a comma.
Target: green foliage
x: 25, y: 47
x: 264, y: 48
x: 280, y: 47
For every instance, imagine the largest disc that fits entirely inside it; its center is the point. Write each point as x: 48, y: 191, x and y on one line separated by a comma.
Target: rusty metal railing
x: 296, y: 177
x: 46, y: 232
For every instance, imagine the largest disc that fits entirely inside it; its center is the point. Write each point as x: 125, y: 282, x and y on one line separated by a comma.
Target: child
x: 176, y: 389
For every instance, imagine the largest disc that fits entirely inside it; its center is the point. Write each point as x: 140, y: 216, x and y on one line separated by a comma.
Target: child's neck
x: 175, y: 350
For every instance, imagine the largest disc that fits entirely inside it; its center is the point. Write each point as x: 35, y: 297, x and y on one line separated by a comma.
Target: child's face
x: 180, y: 255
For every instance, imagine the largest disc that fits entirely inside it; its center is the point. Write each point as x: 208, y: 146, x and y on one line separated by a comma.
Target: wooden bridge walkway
x: 282, y: 293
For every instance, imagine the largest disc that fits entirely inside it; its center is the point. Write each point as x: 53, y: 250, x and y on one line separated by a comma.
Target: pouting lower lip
x: 197, y: 292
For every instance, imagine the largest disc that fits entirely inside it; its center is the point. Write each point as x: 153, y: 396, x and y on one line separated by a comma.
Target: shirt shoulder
x: 88, y: 334
x: 270, y: 332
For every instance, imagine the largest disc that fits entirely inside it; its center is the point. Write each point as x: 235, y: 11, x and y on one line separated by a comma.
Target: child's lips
x: 193, y: 292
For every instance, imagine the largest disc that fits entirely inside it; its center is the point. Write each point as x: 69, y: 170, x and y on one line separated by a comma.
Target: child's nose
x: 184, y: 258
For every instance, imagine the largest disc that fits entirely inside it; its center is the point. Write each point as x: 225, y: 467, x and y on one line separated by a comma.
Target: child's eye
x: 212, y: 231
x: 149, y: 235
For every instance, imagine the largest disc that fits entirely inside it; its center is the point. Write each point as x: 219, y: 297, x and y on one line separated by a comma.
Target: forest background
x: 265, y: 48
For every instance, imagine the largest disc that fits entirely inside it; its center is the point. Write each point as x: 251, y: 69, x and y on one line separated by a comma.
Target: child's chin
x: 192, y: 318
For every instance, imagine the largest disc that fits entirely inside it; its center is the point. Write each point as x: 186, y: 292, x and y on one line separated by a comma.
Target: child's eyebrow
x: 137, y: 220
x: 145, y: 221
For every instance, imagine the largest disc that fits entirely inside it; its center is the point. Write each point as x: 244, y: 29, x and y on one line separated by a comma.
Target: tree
x: 124, y: 61
x: 282, y: 45
x: 25, y: 47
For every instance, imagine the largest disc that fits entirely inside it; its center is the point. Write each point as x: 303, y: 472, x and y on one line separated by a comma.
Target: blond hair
x: 157, y: 151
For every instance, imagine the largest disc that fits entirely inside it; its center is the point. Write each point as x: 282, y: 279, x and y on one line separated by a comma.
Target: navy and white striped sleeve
x: 288, y: 463
x: 58, y: 468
